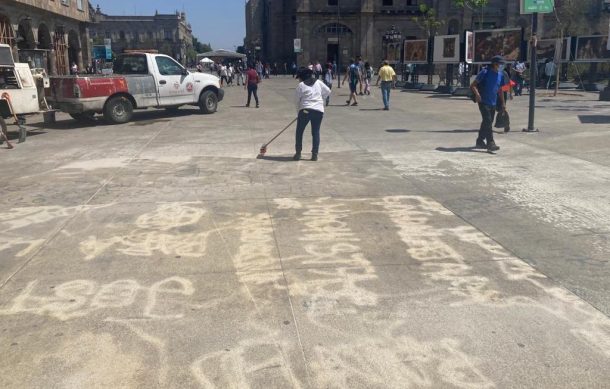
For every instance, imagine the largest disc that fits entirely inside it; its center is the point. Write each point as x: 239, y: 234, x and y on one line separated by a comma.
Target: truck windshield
x: 130, y: 64
x: 6, y: 57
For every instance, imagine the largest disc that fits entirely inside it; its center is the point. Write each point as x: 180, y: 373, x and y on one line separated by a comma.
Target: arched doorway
x: 73, y: 49
x: 7, y: 35
x: 44, y: 37
x: 338, y: 41
x: 25, y: 37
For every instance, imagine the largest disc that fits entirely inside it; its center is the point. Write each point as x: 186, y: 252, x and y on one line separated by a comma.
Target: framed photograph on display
x: 592, y: 49
x: 416, y: 51
x: 446, y: 49
x: 469, y: 39
x: 547, y: 49
x: 489, y: 43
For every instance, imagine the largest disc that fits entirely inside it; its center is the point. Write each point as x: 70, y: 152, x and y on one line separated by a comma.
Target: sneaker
x: 480, y: 144
x: 257, y: 105
x: 386, y: 108
x: 354, y: 104
x: 507, y: 129
x: 361, y: 94
x: 314, y: 156
x: 297, y: 157
x: 247, y: 105
x: 492, y: 147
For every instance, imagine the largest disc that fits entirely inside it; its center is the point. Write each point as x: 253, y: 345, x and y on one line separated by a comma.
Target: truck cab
x: 18, y: 92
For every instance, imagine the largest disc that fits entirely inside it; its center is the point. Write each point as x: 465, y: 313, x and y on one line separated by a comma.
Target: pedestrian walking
x: 309, y: 99
x: 368, y: 76
x: 354, y: 77
x: 252, y: 81
x: 224, y: 78
x: 519, y: 69
x: 485, y: 88
x: 328, y: 80
x: 507, y: 91
x: 360, y: 64
x: 239, y: 73
x: 387, y: 76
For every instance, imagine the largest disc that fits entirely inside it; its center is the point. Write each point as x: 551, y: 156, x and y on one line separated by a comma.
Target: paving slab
x: 163, y: 253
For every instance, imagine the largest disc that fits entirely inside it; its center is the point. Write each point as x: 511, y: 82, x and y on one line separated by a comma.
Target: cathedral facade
x: 331, y: 29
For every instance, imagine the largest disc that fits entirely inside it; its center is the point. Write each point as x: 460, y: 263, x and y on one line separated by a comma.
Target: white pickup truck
x: 139, y: 80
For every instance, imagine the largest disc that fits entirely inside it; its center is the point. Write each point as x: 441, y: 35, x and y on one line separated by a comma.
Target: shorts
x: 352, y: 86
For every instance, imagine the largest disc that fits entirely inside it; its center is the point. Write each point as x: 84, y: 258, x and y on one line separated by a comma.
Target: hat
x: 498, y: 59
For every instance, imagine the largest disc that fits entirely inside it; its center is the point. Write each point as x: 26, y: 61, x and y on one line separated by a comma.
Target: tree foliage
x: 474, y: 5
x: 201, y: 47
x: 428, y: 21
x: 574, y: 16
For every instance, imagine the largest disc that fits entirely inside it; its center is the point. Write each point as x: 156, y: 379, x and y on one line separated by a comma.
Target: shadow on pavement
x: 471, y: 149
x: 594, y: 119
x: 277, y: 159
x: 371, y: 109
x: 452, y: 131
x: 397, y: 130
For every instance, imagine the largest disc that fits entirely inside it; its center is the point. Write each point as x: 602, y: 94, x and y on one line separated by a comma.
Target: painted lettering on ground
x: 160, y: 231
x: 338, y: 268
x: 441, y: 262
x: 80, y: 298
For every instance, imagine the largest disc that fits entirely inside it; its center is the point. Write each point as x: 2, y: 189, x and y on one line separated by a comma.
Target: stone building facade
x: 356, y: 27
x: 170, y: 34
x: 47, y: 34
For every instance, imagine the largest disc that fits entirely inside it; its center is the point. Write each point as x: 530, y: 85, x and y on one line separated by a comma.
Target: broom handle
x: 280, y: 133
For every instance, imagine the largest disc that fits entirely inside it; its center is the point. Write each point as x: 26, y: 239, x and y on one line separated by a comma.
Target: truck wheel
x: 208, y: 102
x: 83, y: 116
x: 118, y: 110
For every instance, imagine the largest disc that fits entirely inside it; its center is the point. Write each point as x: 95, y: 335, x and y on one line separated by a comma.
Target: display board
x: 592, y: 48
x: 547, y: 49
x: 416, y: 51
x: 469, y: 52
x: 539, y: 6
x: 489, y: 43
x: 446, y: 49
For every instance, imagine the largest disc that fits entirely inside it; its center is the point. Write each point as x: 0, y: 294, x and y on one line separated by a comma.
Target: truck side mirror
x: 185, y: 72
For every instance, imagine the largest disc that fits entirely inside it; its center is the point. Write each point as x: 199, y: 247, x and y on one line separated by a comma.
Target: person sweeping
x: 310, y: 97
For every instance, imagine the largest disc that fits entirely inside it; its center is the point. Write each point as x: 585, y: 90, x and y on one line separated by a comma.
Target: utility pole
x: 338, y: 46
x: 533, y: 74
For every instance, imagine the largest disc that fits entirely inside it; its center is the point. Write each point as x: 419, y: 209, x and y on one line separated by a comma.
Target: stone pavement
x: 162, y: 253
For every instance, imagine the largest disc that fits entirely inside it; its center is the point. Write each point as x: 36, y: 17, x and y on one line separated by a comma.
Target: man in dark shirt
x: 252, y: 80
x: 486, y: 88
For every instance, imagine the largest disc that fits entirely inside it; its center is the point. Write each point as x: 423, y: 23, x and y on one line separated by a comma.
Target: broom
x: 263, y: 149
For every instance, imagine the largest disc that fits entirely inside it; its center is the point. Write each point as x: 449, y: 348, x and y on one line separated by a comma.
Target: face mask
x: 501, y: 68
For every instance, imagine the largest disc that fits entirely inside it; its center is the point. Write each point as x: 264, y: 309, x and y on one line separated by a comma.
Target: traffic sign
x: 539, y: 6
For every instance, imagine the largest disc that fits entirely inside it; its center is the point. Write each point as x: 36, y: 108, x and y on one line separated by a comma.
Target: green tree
x: 475, y: 6
x: 429, y: 22
x: 201, y: 47
x: 575, y: 17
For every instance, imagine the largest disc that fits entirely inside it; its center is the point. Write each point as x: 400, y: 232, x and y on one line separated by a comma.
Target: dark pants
x: 305, y: 116
x: 488, y: 112
x: 252, y: 89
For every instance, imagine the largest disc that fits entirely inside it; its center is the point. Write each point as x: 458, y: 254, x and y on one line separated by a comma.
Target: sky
x: 218, y: 22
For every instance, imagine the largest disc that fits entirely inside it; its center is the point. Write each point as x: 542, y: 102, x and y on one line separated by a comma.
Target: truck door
x: 174, y: 82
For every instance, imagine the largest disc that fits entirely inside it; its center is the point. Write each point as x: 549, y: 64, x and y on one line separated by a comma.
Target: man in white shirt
x: 310, y: 96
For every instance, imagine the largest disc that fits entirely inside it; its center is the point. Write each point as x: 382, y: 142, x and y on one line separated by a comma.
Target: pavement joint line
x: 279, y: 253
x: 251, y: 296
x: 78, y: 212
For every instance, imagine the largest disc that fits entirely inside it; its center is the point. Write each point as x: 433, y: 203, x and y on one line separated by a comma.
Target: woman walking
x: 310, y: 96
x: 368, y: 76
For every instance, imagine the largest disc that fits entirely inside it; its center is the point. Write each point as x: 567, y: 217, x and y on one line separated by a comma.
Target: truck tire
x: 84, y: 117
x: 118, y: 110
x: 208, y: 102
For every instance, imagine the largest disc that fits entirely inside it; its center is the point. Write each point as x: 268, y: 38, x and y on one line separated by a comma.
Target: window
x: 169, y: 67
x: 333, y: 2
x: 130, y: 64
x: 122, y: 35
x: 79, y: 4
x: 65, y: 2
x: 168, y: 35
x: 388, y: 3
x: 334, y: 29
x: 411, y: 2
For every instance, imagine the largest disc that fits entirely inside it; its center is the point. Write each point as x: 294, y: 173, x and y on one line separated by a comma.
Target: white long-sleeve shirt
x: 311, y: 97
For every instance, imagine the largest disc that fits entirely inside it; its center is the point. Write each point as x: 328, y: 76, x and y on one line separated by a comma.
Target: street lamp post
x: 338, y: 46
